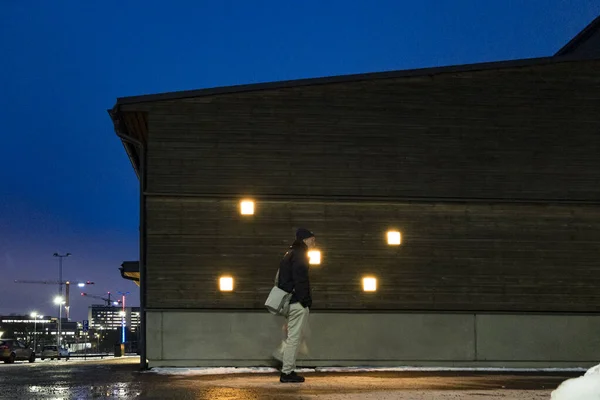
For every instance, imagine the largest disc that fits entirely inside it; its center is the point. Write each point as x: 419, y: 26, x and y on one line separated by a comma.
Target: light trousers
x: 297, y: 320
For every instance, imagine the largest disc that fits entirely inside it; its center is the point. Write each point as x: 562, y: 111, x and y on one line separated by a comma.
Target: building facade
x: 26, y: 328
x: 486, y: 178
x: 69, y: 330
x: 102, y: 317
x: 39, y: 331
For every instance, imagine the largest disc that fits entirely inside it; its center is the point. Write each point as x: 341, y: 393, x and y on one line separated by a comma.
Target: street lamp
x: 123, y: 314
x: 60, y: 280
x: 35, y: 316
x: 58, y: 300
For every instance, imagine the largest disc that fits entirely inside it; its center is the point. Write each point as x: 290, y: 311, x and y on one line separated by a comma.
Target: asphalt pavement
x: 120, y: 378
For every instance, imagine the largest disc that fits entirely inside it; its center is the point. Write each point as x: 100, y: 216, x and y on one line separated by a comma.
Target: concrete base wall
x: 199, y: 338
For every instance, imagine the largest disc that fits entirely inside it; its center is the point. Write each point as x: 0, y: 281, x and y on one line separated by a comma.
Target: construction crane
x: 67, y: 286
x: 108, y: 300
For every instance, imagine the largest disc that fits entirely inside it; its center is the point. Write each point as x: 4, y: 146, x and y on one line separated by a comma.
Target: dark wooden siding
x: 487, y: 138
x: 453, y: 256
x: 522, y: 133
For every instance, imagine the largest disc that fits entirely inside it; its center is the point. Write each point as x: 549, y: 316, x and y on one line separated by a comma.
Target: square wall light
x: 369, y: 284
x: 394, y: 238
x: 226, y: 284
x: 247, y: 207
x: 314, y: 257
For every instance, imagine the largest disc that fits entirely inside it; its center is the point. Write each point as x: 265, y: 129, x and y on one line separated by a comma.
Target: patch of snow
x: 268, y: 370
x: 442, y: 369
x: 593, y: 371
x: 88, y: 359
x: 211, y: 371
x: 586, y: 387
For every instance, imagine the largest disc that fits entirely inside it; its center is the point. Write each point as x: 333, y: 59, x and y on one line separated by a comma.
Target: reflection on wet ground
x: 121, y: 379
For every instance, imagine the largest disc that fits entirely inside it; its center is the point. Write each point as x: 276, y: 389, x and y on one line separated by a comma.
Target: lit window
x: 394, y: 238
x: 369, y: 284
x: 226, y: 284
x: 247, y: 207
x: 314, y: 257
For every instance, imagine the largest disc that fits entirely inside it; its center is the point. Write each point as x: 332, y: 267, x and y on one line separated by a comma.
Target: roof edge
x: 580, y: 38
x: 341, y: 79
x: 130, y: 270
x: 120, y: 130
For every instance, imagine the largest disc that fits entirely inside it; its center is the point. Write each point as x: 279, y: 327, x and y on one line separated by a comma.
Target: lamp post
x: 123, y: 314
x: 59, y: 301
x: 60, y: 279
x: 100, y: 337
x: 35, y: 316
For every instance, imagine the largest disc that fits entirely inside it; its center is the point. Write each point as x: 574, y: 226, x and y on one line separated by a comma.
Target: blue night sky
x: 66, y: 183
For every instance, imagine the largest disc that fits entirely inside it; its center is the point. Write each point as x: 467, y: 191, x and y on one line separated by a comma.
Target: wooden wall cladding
x: 488, y: 139
x: 520, y: 133
x: 453, y: 257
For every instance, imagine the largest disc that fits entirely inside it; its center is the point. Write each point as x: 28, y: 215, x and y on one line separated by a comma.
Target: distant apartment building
x: 25, y: 319
x: 22, y: 326
x: 68, y: 329
x: 111, y: 317
x: 25, y: 328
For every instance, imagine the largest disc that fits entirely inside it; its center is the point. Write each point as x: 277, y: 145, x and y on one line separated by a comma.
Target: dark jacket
x: 293, y: 274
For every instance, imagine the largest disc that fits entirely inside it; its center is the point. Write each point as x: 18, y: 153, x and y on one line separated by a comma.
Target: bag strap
x: 291, y: 253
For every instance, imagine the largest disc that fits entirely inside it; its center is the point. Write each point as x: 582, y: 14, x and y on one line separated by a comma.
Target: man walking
x: 293, y: 278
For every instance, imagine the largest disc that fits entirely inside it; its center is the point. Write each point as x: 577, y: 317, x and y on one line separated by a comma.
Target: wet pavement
x: 121, y: 379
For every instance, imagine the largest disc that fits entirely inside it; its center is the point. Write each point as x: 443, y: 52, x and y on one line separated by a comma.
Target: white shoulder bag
x: 278, y: 302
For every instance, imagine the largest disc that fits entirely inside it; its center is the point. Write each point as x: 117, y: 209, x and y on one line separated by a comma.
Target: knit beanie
x: 303, y: 233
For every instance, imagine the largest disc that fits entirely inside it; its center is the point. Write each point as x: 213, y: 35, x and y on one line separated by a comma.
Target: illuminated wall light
x: 226, y: 284
x: 314, y: 257
x: 394, y: 238
x: 247, y: 207
x: 369, y: 284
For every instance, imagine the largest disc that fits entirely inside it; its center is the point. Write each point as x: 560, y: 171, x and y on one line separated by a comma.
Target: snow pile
x: 593, y: 371
x: 586, y: 387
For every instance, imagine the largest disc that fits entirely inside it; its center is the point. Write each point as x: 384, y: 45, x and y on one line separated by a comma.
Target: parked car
x: 12, y: 350
x: 52, y: 352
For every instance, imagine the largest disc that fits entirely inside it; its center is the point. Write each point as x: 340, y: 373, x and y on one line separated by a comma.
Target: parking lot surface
x: 120, y: 378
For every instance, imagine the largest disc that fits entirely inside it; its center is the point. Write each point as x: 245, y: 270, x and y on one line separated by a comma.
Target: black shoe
x: 291, y: 378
